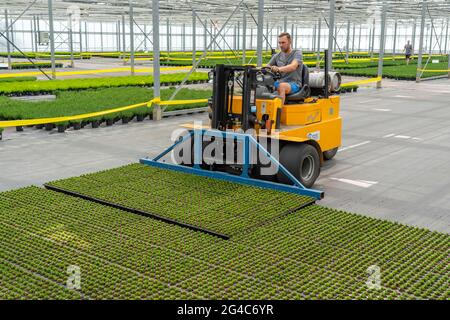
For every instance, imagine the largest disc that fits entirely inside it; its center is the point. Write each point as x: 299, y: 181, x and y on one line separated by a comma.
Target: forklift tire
x: 302, y: 161
x: 329, y: 154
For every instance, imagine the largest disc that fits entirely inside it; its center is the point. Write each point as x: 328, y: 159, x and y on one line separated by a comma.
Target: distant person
x: 288, y: 62
x: 408, y: 49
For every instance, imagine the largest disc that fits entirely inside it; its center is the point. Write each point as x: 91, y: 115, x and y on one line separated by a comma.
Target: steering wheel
x: 275, y: 75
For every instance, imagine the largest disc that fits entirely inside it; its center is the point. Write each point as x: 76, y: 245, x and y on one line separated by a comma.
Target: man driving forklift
x: 288, y: 62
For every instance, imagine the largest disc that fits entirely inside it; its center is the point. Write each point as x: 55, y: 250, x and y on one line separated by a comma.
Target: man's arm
x: 296, y: 63
x: 289, y: 68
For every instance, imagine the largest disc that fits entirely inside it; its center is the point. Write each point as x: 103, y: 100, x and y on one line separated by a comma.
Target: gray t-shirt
x: 282, y: 59
x: 408, y: 49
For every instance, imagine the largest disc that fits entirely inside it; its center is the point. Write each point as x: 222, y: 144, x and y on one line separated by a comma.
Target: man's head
x: 284, y: 41
x: 408, y: 41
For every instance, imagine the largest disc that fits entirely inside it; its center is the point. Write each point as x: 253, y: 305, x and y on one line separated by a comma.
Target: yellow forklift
x: 253, y: 138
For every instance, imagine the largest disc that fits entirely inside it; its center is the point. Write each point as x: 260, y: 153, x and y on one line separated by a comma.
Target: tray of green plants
x: 313, y: 253
x: 39, y: 87
x: 215, y: 205
x: 16, y: 79
x: 368, y: 64
x: 35, y: 65
x: 69, y: 103
x: 400, y: 72
x: 46, y: 55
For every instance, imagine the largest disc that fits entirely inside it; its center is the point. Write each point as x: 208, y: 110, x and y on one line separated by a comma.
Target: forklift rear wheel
x: 302, y: 161
x: 329, y: 154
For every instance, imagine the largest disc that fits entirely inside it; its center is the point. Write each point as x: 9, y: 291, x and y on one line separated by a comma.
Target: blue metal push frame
x: 248, y: 141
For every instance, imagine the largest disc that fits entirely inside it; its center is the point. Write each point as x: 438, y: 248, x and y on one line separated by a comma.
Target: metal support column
x: 373, y: 39
x: 194, y: 35
x: 52, y: 37
x: 382, y: 43
x: 259, y: 37
x: 8, y: 46
x: 118, y: 36
x: 157, y: 113
x: 101, y: 36
x: 285, y: 28
x: 244, y: 36
x: 13, y: 33
x: 347, y: 44
x: 80, y: 37
x: 36, y: 38
x: 359, y: 38
x: 313, y: 42
x: 446, y: 39
x: 293, y: 33
x: 331, y: 34
x: 319, y: 27
x: 422, y: 29
x: 296, y: 37
x: 413, y: 40
x: 205, y: 36
x: 431, y: 35
x: 131, y: 17
x: 269, y: 39
x: 336, y: 37
x: 32, y: 34
x: 395, y: 39
x: 168, y: 35
x: 183, y: 37
x: 72, y: 63
x: 86, y: 36
x: 353, y: 37
x: 238, y: 45
x: 234, y: 38
x: 124, y: 38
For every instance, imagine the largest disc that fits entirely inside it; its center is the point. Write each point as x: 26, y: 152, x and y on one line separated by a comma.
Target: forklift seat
x: 305, y: 90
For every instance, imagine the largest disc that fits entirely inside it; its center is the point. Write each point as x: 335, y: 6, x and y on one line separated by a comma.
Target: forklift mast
x: 225, y: 79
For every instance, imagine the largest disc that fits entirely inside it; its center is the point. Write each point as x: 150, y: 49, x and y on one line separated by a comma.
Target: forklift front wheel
x: 303, y: 161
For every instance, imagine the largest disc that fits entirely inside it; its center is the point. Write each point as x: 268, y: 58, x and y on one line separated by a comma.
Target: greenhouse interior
x: 245, y: 150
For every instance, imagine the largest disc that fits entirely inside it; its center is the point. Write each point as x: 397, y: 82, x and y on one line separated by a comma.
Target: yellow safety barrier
x: 33, y: 122
x: 354, y: 83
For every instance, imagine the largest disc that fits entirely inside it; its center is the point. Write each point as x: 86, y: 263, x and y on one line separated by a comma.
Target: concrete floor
x: 394, y: 162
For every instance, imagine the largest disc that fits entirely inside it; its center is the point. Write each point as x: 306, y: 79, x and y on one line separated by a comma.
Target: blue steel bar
x: 248, y: 140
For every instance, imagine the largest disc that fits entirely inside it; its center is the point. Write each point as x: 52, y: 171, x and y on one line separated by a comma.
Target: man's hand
x: 275, y: 69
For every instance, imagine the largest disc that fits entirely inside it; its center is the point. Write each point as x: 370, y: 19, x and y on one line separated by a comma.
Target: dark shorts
x: 294, y: 86
x: 407, y: 56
